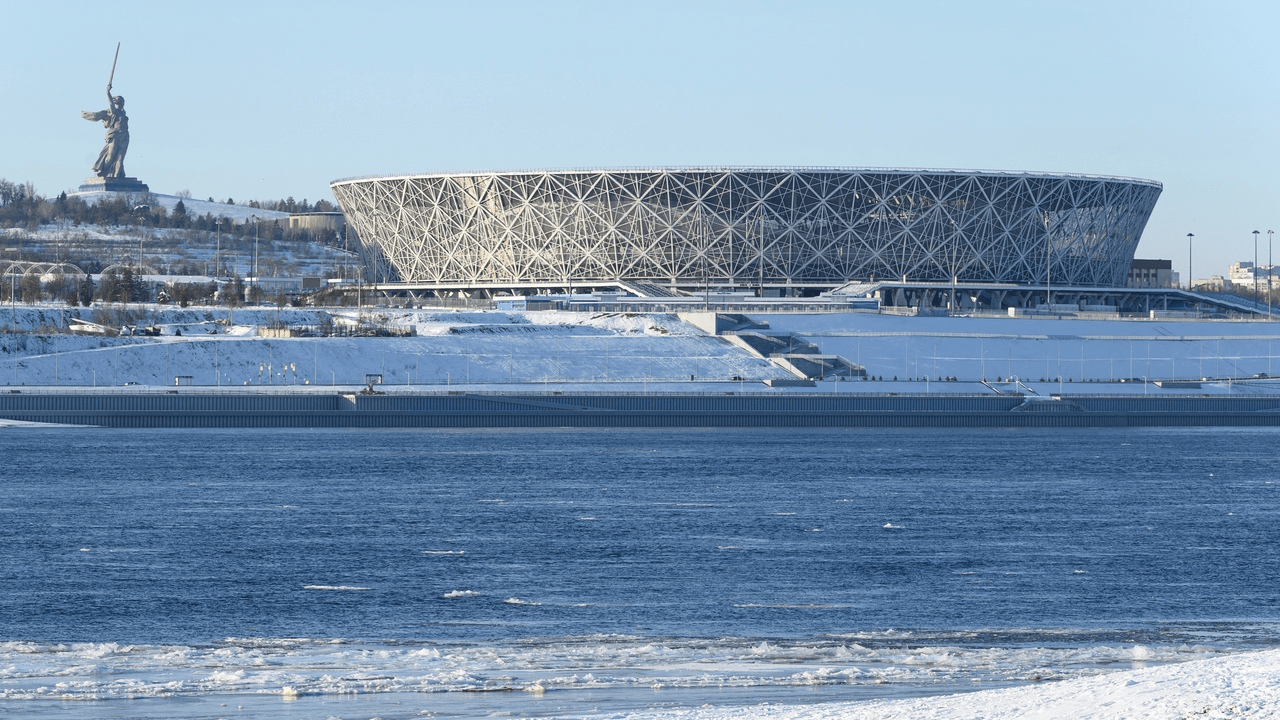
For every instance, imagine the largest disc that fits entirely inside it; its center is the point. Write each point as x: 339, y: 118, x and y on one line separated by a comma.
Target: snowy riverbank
x: 1236, y: 686
x: 213, y: 346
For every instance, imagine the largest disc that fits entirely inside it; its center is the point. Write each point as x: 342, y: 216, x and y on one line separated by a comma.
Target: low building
x: 286, y: 285
x: 317, y: 222
x: 1151, y: 274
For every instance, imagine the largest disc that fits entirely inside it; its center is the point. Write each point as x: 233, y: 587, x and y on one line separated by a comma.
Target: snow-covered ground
x: 617, y: 351
x: 1035, y: 348
x: 1236, y: 686
x: 194, y: 206
x: 468, y: 348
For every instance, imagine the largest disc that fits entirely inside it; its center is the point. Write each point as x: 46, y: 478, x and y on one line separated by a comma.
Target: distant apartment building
x: 1242, y: 275
x: 1151, y: 274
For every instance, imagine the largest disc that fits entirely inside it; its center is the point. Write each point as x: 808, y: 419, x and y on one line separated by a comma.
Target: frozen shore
x: 1235, y: 686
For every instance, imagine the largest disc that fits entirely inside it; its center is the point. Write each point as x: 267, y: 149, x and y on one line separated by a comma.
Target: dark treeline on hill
x: 121, y: 285
x: 21, y: 206
x: 289, y: 205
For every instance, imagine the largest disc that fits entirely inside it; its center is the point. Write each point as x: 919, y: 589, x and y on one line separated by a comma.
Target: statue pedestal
x: 114, y: 184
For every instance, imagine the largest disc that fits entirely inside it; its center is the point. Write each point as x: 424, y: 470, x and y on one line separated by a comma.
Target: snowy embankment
x: 1236, y: 686
x: 513, y: 348
x: 1088, y: 351
x: 449, y: 348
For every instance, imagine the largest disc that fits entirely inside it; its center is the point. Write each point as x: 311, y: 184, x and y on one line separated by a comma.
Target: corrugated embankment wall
x: 206, y: 409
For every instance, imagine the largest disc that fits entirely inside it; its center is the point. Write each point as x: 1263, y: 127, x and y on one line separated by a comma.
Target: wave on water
x: 453, y: 594
x: 891, y: 526
x: 792, y: 605
x: 339, y: 588
x: 444, y: 552
x: 518, y: 601
x: 35, y: 671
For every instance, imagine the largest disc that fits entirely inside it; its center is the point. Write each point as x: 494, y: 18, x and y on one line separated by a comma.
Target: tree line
x: 122, y: 285
x: 22, y: 206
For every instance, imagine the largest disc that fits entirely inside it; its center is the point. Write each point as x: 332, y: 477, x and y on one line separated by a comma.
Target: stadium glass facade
x: 747, y: 227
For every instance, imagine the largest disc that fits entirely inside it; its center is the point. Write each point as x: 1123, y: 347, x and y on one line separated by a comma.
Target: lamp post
x: 143, y: 212
x: 257, y: 287
x: 217, y: 253
x: 1191, y: 273
x: 1270, y: 269
x: 1255, y: 266
x: 1048, y: 262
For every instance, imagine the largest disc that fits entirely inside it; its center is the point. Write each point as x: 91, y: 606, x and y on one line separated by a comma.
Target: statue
x: 109, y: 168
x: 110, y: 162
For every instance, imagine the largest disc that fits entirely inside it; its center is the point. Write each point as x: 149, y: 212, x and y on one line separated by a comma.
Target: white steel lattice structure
x: 746, y: 227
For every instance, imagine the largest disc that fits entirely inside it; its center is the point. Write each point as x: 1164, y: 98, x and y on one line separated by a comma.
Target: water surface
x: 571, y: 571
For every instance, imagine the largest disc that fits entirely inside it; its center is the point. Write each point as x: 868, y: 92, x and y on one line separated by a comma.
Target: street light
x: 1048, y: 262
x: 1255, y: 266
x: 143, y: 212
x: 1191, y: 273
x: 257, y: 285
x: 1270, y: 269
x: 217, y: 253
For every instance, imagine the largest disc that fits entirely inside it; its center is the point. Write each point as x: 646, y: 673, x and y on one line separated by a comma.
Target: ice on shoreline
x: 1244, y: 685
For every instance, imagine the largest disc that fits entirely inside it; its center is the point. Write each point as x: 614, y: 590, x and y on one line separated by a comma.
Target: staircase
x: 796, y: 355
x: 649, y: 290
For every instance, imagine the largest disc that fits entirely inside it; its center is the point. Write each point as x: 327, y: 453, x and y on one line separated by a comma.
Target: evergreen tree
x: 124, y: 290
x: 107, y: 285
x: 86, y: 290
x: 233, y: 291
x: 30, y: 288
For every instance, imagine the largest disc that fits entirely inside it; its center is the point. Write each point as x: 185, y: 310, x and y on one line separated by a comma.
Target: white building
x: 1242, y: 275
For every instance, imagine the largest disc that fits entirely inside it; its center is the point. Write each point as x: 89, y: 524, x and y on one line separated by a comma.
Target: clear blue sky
x: 265, y: 100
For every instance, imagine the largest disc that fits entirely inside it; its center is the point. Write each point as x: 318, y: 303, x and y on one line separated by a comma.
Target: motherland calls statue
x: 110, y: 162
x: 110, y: 165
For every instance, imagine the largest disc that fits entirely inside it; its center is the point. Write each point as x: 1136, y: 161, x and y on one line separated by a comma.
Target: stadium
x: 771, y: 231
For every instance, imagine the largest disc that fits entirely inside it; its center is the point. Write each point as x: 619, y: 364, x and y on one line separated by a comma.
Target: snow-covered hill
x: 194, y: 206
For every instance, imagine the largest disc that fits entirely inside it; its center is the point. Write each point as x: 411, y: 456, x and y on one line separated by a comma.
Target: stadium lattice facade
x: 690, y: 228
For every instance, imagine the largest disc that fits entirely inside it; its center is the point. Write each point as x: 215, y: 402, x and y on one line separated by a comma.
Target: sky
x: 266, y: 100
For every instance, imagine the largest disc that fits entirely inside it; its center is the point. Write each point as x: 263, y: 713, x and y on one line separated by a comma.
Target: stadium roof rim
x: 753, y: 168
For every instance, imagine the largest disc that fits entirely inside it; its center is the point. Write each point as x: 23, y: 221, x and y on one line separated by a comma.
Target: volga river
x: 347, y: 573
